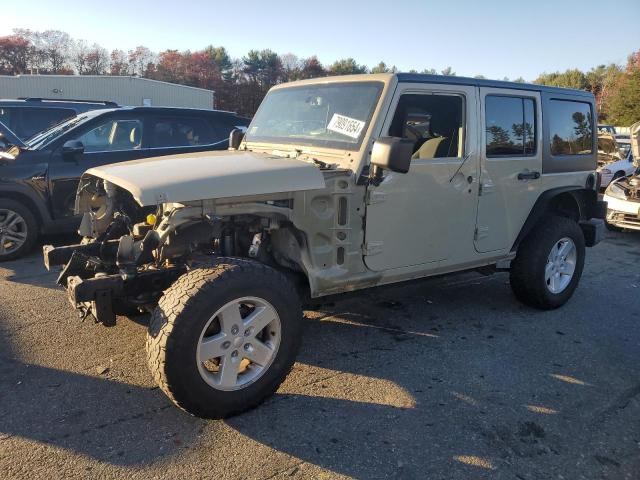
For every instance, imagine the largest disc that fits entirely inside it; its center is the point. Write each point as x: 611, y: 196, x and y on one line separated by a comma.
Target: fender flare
x: 585, y: 203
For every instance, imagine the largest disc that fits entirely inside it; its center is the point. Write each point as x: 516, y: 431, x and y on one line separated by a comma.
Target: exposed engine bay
x: 136, y: 252
x: 627, y: 188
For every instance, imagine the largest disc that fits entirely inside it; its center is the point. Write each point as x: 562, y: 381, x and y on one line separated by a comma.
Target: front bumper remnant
x: 104, y: 295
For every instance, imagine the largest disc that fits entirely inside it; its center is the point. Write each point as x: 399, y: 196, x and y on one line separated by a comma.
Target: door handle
x: 528, y: 175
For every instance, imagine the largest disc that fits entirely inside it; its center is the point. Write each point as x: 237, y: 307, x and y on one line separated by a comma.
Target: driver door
x: 422, y: 218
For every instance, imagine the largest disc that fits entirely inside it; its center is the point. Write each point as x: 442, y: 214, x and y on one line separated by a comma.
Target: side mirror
x: 72, y: 149
x: 392, y: 153
x: 235, y: 138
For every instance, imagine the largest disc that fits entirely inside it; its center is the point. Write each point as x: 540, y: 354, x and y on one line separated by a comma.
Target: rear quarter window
x: 570, y: 127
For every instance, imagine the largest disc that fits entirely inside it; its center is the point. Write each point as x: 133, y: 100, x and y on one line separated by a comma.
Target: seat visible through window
x: 433, y: 122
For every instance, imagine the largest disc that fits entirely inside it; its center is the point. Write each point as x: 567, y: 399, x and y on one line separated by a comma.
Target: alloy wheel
x: 238, y: 343
x: 13, y: 231
x: 561, y: 265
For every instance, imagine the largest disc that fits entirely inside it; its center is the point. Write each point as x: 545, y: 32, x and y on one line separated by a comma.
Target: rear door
x: 511, y: 165
x: 112, y: 138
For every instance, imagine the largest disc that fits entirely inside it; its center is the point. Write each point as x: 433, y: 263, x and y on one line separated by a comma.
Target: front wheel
x: 549, y: 263
x: 223, y: 339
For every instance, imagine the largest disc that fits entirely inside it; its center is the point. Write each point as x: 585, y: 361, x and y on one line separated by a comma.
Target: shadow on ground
x: 406, y: 381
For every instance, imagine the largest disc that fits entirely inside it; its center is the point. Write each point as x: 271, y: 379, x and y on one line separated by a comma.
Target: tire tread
x: 182, y: 297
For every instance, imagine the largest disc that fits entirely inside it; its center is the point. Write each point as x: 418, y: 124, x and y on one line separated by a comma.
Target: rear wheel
x: 18, y: 229
x: 549, y: 263
x: 223, y: 339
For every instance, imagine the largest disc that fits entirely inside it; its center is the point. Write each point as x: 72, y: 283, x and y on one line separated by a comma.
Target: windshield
x: 42, y: 139
x: 333, y: 116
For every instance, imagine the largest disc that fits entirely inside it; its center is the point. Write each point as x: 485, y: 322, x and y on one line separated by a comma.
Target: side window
x: 113, y: 135
x: 182, y: 132
x: 433, y: 122
x: 510, y: 125
x: 570, y: 127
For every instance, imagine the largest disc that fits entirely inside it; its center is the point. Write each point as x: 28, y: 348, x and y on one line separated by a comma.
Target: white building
x: 132, y: 91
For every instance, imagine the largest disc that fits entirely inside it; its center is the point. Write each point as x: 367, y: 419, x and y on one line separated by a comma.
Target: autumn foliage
x: 241, y: 83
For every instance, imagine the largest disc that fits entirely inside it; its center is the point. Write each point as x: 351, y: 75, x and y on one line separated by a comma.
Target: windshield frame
x: 313, y: 143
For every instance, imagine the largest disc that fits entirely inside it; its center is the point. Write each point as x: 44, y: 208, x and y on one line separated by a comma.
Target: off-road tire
x: 179, y: 318
x: 32, y: 228
x: 527, y: 276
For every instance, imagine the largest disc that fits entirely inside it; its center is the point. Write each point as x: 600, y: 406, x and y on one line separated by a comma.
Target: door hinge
x: 375, y: 196
x: 480, y: 233
x: 486, y: 187
x: 372, y: 248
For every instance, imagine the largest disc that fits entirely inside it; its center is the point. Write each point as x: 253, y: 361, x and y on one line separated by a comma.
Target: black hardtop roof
x: 480, y: 82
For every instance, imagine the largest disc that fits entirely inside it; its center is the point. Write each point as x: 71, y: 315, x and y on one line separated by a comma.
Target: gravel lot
x: 449, y: 378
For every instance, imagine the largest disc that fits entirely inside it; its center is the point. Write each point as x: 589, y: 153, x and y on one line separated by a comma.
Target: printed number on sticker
x: 345, y: 125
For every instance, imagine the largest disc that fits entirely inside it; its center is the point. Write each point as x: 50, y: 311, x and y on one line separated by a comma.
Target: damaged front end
x: 113, y: 271
x: 623, y: 203
x: 130, y: 254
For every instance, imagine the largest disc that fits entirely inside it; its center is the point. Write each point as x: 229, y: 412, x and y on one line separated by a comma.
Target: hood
x: 209, y: 175
x: 8, y: 136
x: 627, y: 188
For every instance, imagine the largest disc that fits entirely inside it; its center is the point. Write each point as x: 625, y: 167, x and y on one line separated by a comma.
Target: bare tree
x: 119, y: 64
x: 79, y: 56
x: 15, y: 52
x: 292, y: 67
x: 52, y: 50
x: 97, y: 60
x: 139, y: 60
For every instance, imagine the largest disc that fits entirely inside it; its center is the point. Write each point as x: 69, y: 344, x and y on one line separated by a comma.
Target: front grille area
x: 623, y: 220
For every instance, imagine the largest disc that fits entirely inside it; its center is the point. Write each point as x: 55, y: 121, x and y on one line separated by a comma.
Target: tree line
x: 241, y: 83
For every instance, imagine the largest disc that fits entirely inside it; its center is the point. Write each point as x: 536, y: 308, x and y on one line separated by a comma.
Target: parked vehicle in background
x: 623, y: 203
x: 612, y: 164
x: 610, y: 129
x: 28, y: 116
x: 623, y: 195
x: 624, y: 147
x: 39, y: 177
x: 339, y: 184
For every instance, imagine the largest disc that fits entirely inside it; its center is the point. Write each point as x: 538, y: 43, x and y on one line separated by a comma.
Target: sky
x: 492, y: 38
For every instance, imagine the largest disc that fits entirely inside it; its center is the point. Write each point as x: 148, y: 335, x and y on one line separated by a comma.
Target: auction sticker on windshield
x: 345, y: 125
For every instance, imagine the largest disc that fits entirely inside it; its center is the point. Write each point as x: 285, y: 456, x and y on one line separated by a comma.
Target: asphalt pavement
x: 447, y: 378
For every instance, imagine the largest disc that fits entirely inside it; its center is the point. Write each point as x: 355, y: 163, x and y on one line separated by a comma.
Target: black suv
x: 39, y: 177
x: 28, y: 116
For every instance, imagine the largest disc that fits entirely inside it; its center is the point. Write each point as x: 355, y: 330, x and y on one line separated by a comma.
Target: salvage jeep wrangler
x: 338, y: 184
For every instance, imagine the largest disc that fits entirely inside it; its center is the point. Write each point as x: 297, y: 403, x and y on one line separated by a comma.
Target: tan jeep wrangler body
x: 339, y: 184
